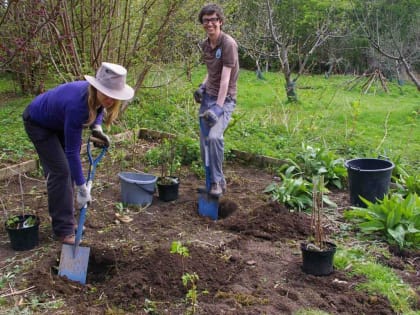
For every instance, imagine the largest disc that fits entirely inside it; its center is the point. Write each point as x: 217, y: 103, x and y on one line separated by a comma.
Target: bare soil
x: 248, y: 261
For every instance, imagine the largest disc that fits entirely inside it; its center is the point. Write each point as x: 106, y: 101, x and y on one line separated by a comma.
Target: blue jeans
x: 216, y: 146
x: 49, y: 145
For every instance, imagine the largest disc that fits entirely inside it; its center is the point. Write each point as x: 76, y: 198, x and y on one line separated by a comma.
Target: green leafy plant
x: 188, y: 280
x: 320, y: 161
x: 190, y: 283
x: 23, y: 220
x: 19, y: 222
x: 170, y: 162
x: 395, y: 218
x: 150, y: 307
x: 294, y: 192
x: 409, y: 184
x: 178, y: 248
x: 120, y: 207
x: 165, y: 156
x: 188, y: 149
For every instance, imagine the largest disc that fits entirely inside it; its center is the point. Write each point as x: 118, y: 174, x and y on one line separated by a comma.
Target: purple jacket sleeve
x: 99, y: 117
x: 65, y: 110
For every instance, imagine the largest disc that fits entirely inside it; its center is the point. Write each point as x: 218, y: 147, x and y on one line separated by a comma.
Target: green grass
x: 327, y: 115
x: 379, y: 279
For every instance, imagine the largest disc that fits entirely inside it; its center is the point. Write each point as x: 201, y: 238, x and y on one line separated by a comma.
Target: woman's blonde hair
x: 110, y: 114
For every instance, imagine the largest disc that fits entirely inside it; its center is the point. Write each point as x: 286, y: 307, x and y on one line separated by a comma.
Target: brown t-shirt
x: 224, y: 54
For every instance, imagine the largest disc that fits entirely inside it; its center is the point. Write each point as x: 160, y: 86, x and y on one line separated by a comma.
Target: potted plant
x: 170, y: 164
x: 23, y: 229
x: 318, y: 255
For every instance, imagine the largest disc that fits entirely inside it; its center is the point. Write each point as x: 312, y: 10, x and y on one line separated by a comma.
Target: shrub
x: 395, y: 218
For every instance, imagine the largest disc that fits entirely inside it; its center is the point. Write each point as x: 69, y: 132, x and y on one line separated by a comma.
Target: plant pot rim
x: 330, y: 247
x: 174, y: 180
x: 23, y: 216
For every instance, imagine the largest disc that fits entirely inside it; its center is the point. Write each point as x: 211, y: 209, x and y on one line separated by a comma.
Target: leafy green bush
x: 395, y: 218
x: 188, y: 150
x: 170, y: 155
x: 406, y: 185
x: 165, y: 156
x: 320, y: 161
x: 293, y: 192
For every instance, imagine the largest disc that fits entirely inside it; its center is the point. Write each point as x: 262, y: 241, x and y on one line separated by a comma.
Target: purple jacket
x: 65, y: 109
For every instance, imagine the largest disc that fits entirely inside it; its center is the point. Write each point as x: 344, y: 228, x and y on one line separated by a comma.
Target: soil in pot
x: 318, y: 262
x: 23, y: 231
x: 168, y: 188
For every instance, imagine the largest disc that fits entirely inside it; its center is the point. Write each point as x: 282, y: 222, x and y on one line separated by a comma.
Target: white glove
x: 83, y: 194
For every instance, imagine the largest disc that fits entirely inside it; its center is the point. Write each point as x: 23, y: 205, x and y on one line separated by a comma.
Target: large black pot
x: 369, y: 178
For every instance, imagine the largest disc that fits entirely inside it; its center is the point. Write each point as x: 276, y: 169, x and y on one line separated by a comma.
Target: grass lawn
x: 327, y: 114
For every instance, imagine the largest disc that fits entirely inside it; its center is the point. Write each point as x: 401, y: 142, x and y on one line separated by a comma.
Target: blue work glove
x: 98, y: 133
x: 212, y: 114
x: 198, y: 94
x: 83, y: 194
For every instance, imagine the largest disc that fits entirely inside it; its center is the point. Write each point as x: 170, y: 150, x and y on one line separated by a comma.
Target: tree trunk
x: 290, y: 85
x: 411, y: 73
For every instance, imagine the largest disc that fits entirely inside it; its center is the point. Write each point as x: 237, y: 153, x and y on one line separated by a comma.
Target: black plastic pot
x: 369, y: 178
x: 318, y: 263
x: 24, y: 238
x: 168, y: 188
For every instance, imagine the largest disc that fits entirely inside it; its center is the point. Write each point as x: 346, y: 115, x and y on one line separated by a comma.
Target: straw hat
x: 110, y: 80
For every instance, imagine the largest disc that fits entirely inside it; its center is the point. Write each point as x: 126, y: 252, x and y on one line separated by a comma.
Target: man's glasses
x: 212, y: 20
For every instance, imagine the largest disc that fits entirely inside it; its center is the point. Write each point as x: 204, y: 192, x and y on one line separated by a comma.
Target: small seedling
x: 120, y: 207
x: 190, y: 283
x: 150, y: 307
x: 122, y: 213
x: 178, y: 248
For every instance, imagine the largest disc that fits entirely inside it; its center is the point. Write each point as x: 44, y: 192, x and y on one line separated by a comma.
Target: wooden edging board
x: 147, y: 134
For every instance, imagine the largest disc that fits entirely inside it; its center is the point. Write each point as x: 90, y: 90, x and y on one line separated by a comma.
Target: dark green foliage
x: 17, y: 222
x: 295, y: 189
x: 188, y: 149
x: 405, y: 183
x: 394, y: 218
x: 172, y: 153
x: 320, y: 161
x: 165, y: 157
x: 294, y: 192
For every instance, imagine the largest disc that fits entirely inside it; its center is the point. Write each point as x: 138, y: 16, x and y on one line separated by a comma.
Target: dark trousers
x: 49, y: 145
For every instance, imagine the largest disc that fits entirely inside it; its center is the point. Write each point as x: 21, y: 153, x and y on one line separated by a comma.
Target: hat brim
x: 125, y: 94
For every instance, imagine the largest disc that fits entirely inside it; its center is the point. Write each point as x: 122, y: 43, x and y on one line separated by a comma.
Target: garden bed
x: 248, y: 262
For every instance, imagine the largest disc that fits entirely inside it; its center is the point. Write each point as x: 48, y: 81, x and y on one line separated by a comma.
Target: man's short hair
x: 209, y: 10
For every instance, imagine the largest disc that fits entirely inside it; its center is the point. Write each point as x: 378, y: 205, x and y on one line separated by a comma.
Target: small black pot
x: 168, y: 188
x: 318, y: 263
x: 24, y: 238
